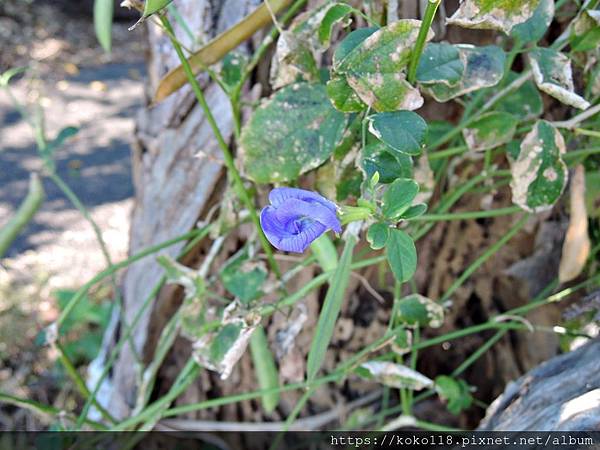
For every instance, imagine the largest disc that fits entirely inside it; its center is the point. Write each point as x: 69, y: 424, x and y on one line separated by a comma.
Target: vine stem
x: 430, y: 11
x: 227, y: 156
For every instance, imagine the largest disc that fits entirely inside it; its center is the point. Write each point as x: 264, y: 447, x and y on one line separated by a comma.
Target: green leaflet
x: 524, y: 102
x: 401, y: 131
x: 373, y: 61
x: 440, y: 63
x: 417, y: 310
x: 398, y: 198
x: 292, y: 132
x: 377, y: 235
x: 493, y: 14
x: 335, y: 14
x: 553, y: 75
x: 401, y: 255
x: 390, y: 164
x: 491, y: 130
x: 484, y: 67
x: 455, y: 392
x: 534, y: 28
x: 539, y: 175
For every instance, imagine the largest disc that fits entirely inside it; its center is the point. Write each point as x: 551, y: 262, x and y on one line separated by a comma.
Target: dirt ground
x: 77, y: 84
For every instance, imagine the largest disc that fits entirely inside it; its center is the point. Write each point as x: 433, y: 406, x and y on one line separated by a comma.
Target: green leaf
x: 402, y: 343
x: 232, y: 68
x: 176, y: 273
x: 224, y: 340
x: 455, y: 393
x: 534, y: 28
x: 243, y: 278
x: 399, y: 197
x: 103, y: 18
x: 414, y: 211
x: 264, y: 366
x: 491, y: 130
x: 373, y: 63
x: 330, y: 311
x: 417, y: 310
x: 325, y: 252
x: 342, y: 96
x: 402, y: 131
x: 394, y: 375
x: 334, y: 14
x: 401, y: 255
x: 585, y: 32
x: 493, y: 14
x: 484, y: 67
x: 440, y: 63
x: 294, y: 131
x: 539, y: 175
x: 377, y: 235
x: 378, y: 157
x: 553, y: 75
x: 524, y: 102
x: 153, y: 6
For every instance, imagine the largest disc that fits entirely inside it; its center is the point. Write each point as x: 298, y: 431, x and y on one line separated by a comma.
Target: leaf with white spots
x: 342, y: 96
x: 489, y: 131
x: 440, y: 63
x: 534, y: 28
x: 539, y: 175
x: 553, y: 75
x: 292, y: 132
x: 394, y: 375
x: 417, y: 310
x: 373, y: 62
x: 484, y: 67
x: 493, y: 14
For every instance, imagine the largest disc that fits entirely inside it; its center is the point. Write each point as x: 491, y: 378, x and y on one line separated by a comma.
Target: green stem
x: 468, y: 215
x: 227, y: 156
x: 432, y: 6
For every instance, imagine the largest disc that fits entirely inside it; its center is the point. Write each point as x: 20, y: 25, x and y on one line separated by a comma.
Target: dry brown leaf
x: 576, y: 247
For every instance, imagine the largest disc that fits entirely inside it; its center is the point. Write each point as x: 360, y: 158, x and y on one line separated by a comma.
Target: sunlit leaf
x: 401, y: 131
x: 492, y: 14
x: 539, y: 175
x: 553, y: 75
x: 440, y: 63
x: 292, y: 132
x: 394, y: 375
x: 335, y: 14
x: 534, y: 28
x: 373, y: 61
x: 484, y: 67
x: 417, y: 310
x: 103, y: 19
x: 401, y: 255
x: 491, y: 130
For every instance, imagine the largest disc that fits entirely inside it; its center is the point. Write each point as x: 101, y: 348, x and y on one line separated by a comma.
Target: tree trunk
x: 176, y: 166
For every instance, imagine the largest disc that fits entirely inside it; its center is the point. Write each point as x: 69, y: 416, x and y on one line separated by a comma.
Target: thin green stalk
x: 227, y: 156
x: 432, y: 6
x: 468, y: 215
x: 79, y: 383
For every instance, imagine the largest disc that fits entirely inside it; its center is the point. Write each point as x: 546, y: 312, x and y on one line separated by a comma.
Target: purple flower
x: 297, y: 217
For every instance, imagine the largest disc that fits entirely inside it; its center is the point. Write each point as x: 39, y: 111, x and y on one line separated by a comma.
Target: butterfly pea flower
x: 297, y: 217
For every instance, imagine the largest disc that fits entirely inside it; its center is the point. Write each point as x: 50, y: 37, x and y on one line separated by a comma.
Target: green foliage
x: 440, y: 63
x: 454, y: 392
x: 335, y: 14
x: 243, y: 278
x: 401, y: 255
x: 401, y: 131
x: 524, y: 102
x: 264, y: 366
x: 294, y: 131
x: 154, y: 6
x: 417, y: 310
x: 534, y: 28
x: 378, y: 235
x: 398, y: 198
x: 390, y: 164
x: 103, y: 18
x: 492, y: 14
x: 490, y: 130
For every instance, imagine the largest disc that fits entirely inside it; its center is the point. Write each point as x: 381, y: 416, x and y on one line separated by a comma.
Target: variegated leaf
x: 553, y: 75
x: 491, y: 130
x: 493, y: 14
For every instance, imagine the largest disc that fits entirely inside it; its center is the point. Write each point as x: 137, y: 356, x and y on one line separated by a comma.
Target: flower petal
x: 300, y: 242
x: 278, y: 195
x: 293, y: 209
